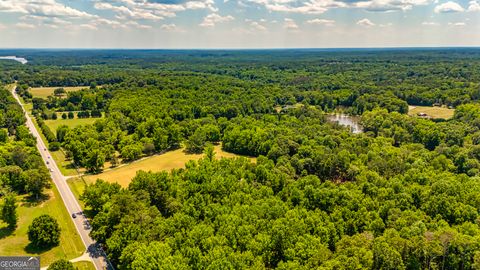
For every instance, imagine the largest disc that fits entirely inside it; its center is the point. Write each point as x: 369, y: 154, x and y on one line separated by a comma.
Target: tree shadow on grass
x: 6, y: 231
x: 32, y: 249
x: 32, y: 201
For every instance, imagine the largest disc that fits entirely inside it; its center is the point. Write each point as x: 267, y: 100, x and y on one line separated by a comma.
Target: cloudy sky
x: 238, y: 23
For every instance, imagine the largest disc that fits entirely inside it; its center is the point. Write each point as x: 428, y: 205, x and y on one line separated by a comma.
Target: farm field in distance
x: 44, y: 92
x: 431, y: 111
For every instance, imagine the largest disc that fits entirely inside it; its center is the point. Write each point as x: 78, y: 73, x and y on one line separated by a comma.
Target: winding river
x: 14, y: 58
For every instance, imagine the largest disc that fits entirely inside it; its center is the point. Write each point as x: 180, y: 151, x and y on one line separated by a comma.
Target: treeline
x: 11, y: 114
x: 21, y: 167
x: 47, y: 132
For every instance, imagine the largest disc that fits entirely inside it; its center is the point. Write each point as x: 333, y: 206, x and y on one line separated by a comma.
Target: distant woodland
x: 403, y: 194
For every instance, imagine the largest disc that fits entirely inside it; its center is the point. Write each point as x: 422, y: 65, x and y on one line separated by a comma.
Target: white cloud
x: 212, y: 19
x: 389, y: 5
x: 151, y: 10
x: 321, y: 6
x: 257, y: 26
x: 365, y: 22
x: 124, y: 12
x: 321, y: 22
x: 25, y: 25
x: 386, y: 25
x: 449, y: 7
x: 303, y: 7
x: 460, y: 24
x: 171, y: 28
x: 47, y: 8
x: 430, y: 24
x: 87, y: 26
x: 290, y: 24
x: 138, y: 25
x: 473, y: 6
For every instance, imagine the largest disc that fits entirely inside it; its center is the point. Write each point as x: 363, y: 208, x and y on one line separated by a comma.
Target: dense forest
x: 402, y: 194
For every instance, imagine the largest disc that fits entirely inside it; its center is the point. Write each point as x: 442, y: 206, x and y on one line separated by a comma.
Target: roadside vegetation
x: 26, y: 191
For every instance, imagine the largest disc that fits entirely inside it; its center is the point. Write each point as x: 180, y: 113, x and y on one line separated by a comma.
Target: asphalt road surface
x: 71, y: 203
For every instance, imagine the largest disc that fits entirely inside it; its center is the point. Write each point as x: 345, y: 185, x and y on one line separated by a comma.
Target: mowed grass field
x: 71, y: 123
x: 84, y: 265
x: 44, y: 92
x: 16, y: 243
x: 165, y: 162
x: 433, y: 112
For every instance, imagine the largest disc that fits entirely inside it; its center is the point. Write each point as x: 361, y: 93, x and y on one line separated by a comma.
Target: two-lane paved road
x: 71, y: 203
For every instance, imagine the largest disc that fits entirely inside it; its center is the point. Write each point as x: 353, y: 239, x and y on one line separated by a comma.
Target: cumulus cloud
x: 365, y: 22
x: 389, y: 5
x: 320, y: 6
x: 449, y: 7
x: 460, y: 24
x: 321, y: 22
x: 257, y: 26
x: 430, y: 24
x: 303, y: 7
x: 47, y: 8
x: 124, y: 12
x: 289, y: 24
x: 137, y: 25
x: 171, y: 28
x: 151, y: 10
x: 473, y: 6
x: 212, y: 19
x: 25, y: 25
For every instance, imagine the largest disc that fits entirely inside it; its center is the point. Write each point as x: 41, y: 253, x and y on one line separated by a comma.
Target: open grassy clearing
x: 164, y: 162
x: 71, y: 123
x: 44, y: 92
x: 433, y: 112
x: 16, y: 243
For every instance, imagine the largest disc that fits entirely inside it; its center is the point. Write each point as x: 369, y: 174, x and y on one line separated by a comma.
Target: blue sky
x: 238, y: 23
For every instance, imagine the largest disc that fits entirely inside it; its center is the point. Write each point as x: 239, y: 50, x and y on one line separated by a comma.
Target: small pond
x: 353, y: 122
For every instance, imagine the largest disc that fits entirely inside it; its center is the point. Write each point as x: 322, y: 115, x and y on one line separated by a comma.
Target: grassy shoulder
x: 16, y: 243
x: 84, y: 265
x: 44, y: 92
x: 433, y: 112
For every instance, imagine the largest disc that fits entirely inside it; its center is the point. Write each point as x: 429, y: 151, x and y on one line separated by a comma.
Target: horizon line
x: 244, y: 49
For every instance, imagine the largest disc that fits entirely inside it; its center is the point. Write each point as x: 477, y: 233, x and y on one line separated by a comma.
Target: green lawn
x: 77, y: 186
x: 84, y: 265
x: 16, y: 243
